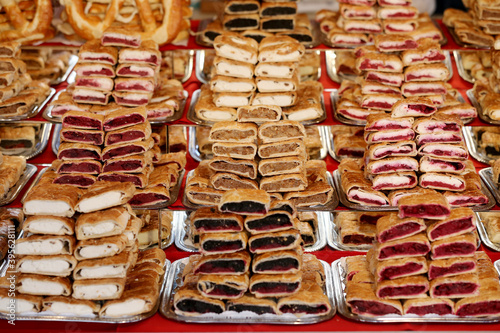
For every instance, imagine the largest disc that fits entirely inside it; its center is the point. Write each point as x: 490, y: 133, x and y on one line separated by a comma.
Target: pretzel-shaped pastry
x: 92, y: 28
x: 24, y: 30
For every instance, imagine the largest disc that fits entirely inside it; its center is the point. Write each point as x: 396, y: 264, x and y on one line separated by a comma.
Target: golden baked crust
x: 68, y: 258
x: 118, y: 216
x: 291, y: 234
x: 275, y: 256
x: 119, y: 241
x: 274, y: 278
x: 415, y: 281
x: 230, y: 131
x: 64, y: 282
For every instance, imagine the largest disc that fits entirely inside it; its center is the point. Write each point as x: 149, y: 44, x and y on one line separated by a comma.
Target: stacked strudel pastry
x: 423, y: 262
x: 348, y: 141
x: 19, y: 93
x: 486, y: 91
x: 11, y: 169
x: 251, y: 260
x: 45, y: 63
x: 357, y: 21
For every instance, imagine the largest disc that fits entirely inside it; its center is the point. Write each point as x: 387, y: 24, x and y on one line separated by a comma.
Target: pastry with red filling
x: 424, y: 88
x: 428, y: 305
x: 395, y: 26
x: 413, y: 246
x: 392, y: 164
x: 459, y: 286
x: 442, y: 181
x: 352, y: 232
x: 383, y: 121
x: 358, y: 189
x: 310, y: 299
x: 394, y: 43
x: 406, y: 287
x: 460, y: 221
x: 93, y: 52
x: 78, y: 151
x: 361, y: 298
x: 124, y: 118
x: 126, y: 149
x: 390, y: 79
x: 136, y: 70
x: 396, y: 135
x: 438, y: 122
x: 425, y: 205
x: 439, y: 150
x: 413, y: 107
x: 395, y: 196
x: 134, y: 163
x: 396, y: 268
x: 379, y: 62
x: 82, y: 120
x: 486, y: 304
x: 223, y: 287
x: 368, y: 26
x: 428, y: 51
x: 83, y: 180
x: 129, y: 134
x: 346, y: 145
x: 278, y: 262
x: 139, y: 180
x: 402, y: 148
x: 357, y: 12
x: 398, y: 12
x: 100, y: 83
x: 146, y: 53
x: 451, y: 266
x: 390, y: 227
x: 91, y: 137
x: 275, y: 241
x: 79, y: 166
x: 455, y: 246
x: 426, y: 72
x: 394, y: 180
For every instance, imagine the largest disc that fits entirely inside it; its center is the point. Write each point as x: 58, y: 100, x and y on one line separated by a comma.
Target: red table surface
x: 158, y: 323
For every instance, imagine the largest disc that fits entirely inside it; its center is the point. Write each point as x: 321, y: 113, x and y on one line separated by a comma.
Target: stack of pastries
x: 79, y: 255
x: 46, y: 64
x: 278, y: 279
x: 395, y: 277
x: 357, y: 21
x: 486, y: 91
x: 11, y: 169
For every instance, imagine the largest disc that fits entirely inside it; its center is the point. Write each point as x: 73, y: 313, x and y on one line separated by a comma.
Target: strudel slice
x: 65, y: 304
x: 431, y: 164
x: 469, y: 197
x: 203, y: 195
x: 272, y: 221
x: 414, y: 246
x: 406, y: 287
x: 127, y: 149
x: 135, y: 70
x: 279, y: 131
x: 395, y: 26
x: 397, y: 268
x: 124, y: 118
x: 94, y: 82
x: 463, y: 110
x: 259, y: 113
x: 452, y: 266
x: 310, y: 299
x: 379, y: 62
x: 317, y: 193
x: 394, y: 180
x: 275, y: 285
x: 54, y: 265
x: 486, y: 304
x: 438, y: 150
x: 284, y: 183
x: 361, y: 298
x: 442, y: 181
x: 248, y: 302
x: 91, y: 137
x: 358, y: 189
x: 244, y: 168
x: 82, y: 120
x: 426, y: 72
x: 281, y: 99
x: 394, y: 43
x: 230, y: 131
x: 133, y: 164
x: 233, y: 68
x: 223, y: 287
x: 145, y: 53
x: 278, y: 262
x: 223, y: 264
x: 189, y: 302
x: 455, y: 246
x: 356, y: 266
x: 352, y: 232
x: 460, y: 221
x: 390, y: 79
x: 236, y: 47
x: 413, y: 107
x: 48, y: 225
x: 40, y: 200
x: 23, y: 302
x: 369, y: 26
x: 78, y: 151
x: 91, y: 96
x: 207, y: 220
x: 227, y: 181
x: 394, y: 135
x: 109, y: 222
x: 410, y: 89
x: 92, y: 51
x: 427, y: 305
x: 110, y: 267
x: 98, y: 289
x: 103, y: 195
x: 357, y: 12
x: 130, y: 134
x: 402, y: 148
x: 392, y: 164
x: 428, y: 205
x: 213, y: 243
x: 463, y: 285
x: 391, y: 227
x: 283, y: 148
x: 269, y: 242
x: 100, y: 247
x: 43, y: 285
x: 383, y: 122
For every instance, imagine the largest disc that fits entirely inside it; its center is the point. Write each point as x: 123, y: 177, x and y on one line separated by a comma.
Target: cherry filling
x: 122, y: 166
x: 455, y: 249
x: 425, y: 210
x: 280, y: 265
x: 95, y: 138
x: 456, y: 166
x: 393, y: 167
x: 391, y: 126
x: 223, y: 246
x: 429, y: 90
x: 129, y: 120
x: 438, y: 184
x: 221, y: 266
x: 131, y: 101
x: 401, y: 15
x: 88, y: 82
x: 348, y: 113
x: 195, y: 306
x: 82, y: 167
x: 408, y: 44
x: 127, y: 71
x: 82, y: 122
x: 369, y: 201
x: 216, y: 224
x: 122, y: 151
x: 440, y: 309
x: 74, y: 180
x: 371, y: 76
x: 373, y: 308
x: 454, y: 269
x: 134, y: 87
x: 302, y: 308
x: 79, y: 154
x: 441, y: 138
x: 122, y: 41
x: 393, y: 151
x: 390, y: 273
x: 410, y: 248
x: 421, y: 108
x: 378, y: 105
x: 124, y: 137
x: 455, y: 289
x: 364, y: 29
x: 102, y: 99
x: 102, y: 59
x: 275, y: 287
x: 446, y: 153
x: 258, y: 309
x: 271, y: 222
x: 357, y: 239
x: 221, y: 290
x: 410, y: 181
x: 401, y: 291
x: 480, y: 308
x: 410, y: 77
x: 403, y: 229
x: 266, y: 243
x: 371, y: 219
x: 125, y: 178
x: 244, y: 207
x: 467, y: 201
x: 351, y: 152
x: 369, y: 64
x: 452, y: 227
x: 142, y: 199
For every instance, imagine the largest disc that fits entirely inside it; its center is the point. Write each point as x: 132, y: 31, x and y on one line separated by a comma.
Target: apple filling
x: 275, y: 287
x: 439, y: 309
x: 390, y: 273
x: 223, y: 246
x: 401, y: 291
x: 479, y: 309
x: 221, y: 266
x: 455, y: 289
x: 409, y: 249
x: 454, y: 269
x: 196, y: 306
x: 373, y: 308
x: 399, y: 231
x: 281, y: 265
x: 205, y: 225
x: 302, y: 308
x: 452, y: 227
x: 456, y: 249
x: 271, y: 222
x: 267, y: 243
x: 244, y: 207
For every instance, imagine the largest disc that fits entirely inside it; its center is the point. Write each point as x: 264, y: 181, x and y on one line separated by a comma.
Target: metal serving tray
x: 462, y: 44
x: 334, y: 237
x: 330, y: 206
x: 14, y: 190
x: 47, y: 113
x: 175, y: 281
x: 41, y: 140
x: 482, y: 116
x: 487, y: 177
x: 73, y: 60
x: 329, y: 141
x: 183, y: 242
x: 195, y: 153
x: 473, y: 146
x: 34, y: 110
x: 193, y: 117
x: 483, y: 234
x: 331, y: 69
x: 339, y: 280
x: 356, y: 206
x: 464, y: 74
x: 50, y: 316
